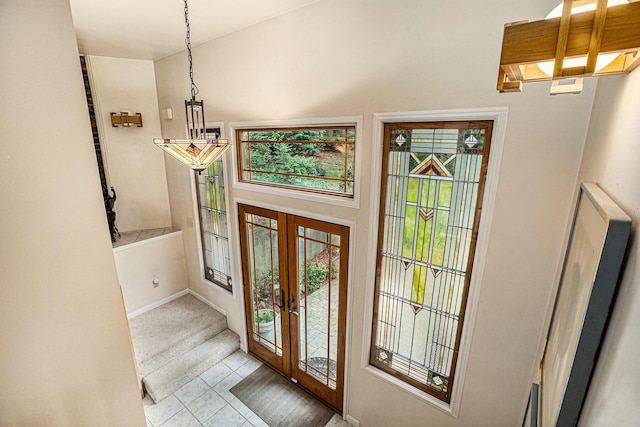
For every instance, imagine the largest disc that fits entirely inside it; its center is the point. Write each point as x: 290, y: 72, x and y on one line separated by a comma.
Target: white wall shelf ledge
x: 138, y: 236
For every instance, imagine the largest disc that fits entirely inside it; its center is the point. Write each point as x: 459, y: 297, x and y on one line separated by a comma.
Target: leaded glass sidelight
x: 213, y: 221
x: 433, y: 178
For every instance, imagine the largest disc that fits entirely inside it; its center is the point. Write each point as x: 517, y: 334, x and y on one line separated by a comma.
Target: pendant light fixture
x: 197, y: 151
x: 580, y: 38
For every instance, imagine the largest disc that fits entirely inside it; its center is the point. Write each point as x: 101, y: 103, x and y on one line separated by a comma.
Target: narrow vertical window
x: 213, y: 222
x: 432, y: 184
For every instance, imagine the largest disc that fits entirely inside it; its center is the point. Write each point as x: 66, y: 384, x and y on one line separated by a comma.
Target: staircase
x: 178, y: 341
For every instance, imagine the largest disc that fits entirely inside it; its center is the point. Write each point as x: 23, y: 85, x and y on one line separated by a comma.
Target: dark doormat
x: 279, y: 402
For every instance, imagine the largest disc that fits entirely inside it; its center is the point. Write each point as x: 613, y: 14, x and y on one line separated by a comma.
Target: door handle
x: 292, y: 305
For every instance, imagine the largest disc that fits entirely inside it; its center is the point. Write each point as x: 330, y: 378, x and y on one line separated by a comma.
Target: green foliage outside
x: 324, y: 134
x: 277, y: 157
x: 264, y: 286
x: 270, y: 152
x: 317, y: 274
x: 265, y: 316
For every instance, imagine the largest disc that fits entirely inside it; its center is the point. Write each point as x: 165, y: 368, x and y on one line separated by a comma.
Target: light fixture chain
x: 197, y: 151
x: 194, y: 88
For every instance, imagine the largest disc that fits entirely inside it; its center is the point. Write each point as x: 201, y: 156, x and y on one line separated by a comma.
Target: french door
x: 295, y: 284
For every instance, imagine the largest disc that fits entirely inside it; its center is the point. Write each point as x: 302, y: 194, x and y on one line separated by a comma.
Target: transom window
x: 432, y: 184
x: 316, y: 159
x: 213, y: 221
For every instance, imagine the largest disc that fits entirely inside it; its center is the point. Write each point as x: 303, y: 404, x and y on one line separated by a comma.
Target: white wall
x: 65, y: 358
x: 611, y: 160
x: 359, y: 57
x: 138, y: 264
x: 134, y: 166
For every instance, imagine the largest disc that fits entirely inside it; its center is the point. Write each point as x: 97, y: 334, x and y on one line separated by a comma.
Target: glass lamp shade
x: 197, y: 154
x: 603, y: 59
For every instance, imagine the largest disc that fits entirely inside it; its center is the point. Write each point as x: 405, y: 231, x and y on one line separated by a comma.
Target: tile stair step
x: 169, y: 378
x: 193, y: 340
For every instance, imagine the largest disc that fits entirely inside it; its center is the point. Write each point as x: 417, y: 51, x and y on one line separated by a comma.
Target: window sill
x: 447, y: 408
x: 217, y: 287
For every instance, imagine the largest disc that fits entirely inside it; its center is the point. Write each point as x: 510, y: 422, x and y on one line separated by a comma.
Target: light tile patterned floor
x: 206, y: 401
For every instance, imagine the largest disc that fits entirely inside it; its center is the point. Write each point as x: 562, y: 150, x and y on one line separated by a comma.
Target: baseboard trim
x: 156, y: 304
x: 352, y: 421
x: 206, y: 301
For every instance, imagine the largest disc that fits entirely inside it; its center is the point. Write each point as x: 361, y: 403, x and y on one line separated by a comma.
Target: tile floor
x: 206, y: 401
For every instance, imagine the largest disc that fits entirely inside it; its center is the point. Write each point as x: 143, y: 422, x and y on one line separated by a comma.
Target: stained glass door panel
x: 317, y: 325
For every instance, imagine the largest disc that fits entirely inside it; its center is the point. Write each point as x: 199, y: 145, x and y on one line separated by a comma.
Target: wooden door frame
x: 282, y: 363
x: 344, y: 230
x: 303, y: 378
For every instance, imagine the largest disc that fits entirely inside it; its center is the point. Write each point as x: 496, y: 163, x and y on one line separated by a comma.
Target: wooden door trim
x: 333, y: 398
x: 287, y: 364
x: 294, y: 323
x: 282, y: 362
x: 284, y: 286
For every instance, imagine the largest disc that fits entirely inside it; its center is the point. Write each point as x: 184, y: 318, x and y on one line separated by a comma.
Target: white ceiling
x: 152, y: 29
